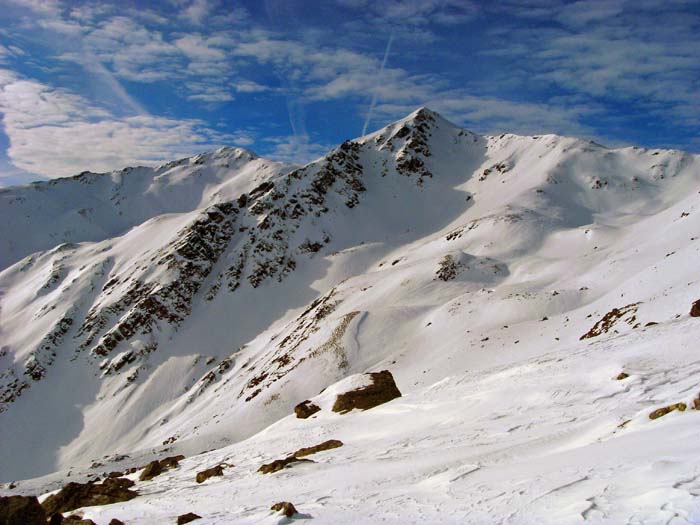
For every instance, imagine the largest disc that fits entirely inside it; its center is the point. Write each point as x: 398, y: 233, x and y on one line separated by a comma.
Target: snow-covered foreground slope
x: 468, y: 266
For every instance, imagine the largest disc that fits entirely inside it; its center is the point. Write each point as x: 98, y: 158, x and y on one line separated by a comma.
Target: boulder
x: 326, y: 445
x: 622, y: 375
x: 151, y: 470
x: 280, y: 464
x: 285, y: 508
x: 660, y: 412
x: 158, y: 466
x: 115, y: 521
x: 210, y: 472
x: 381, y: 390
x: 186, y: 518
x: 21, y: 510
x: 77, y: 495
x: 306, y: 409
x: 695, y: 309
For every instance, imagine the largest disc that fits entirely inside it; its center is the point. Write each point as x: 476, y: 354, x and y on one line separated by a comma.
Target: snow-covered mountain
x: 505, y: 282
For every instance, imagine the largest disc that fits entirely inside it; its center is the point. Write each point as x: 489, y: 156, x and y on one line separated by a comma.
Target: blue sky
x: 101, y: 85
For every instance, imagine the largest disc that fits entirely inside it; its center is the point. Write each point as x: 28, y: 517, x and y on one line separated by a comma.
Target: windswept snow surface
x: 505, y: 281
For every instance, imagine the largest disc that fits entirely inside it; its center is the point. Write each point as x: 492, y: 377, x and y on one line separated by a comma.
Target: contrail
x: 374, y: 95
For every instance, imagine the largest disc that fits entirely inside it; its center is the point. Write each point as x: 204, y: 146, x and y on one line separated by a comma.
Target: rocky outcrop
x: 448, y: 268
x: 280, y: 464
x: 21, y: 510
x: 660, y: 412
x: 210, y: 472
x: 381, y: 390
x: 306, y: 409
x: 158, y: 466
x: 326, y: 445
x: 695, y: 309
x: 606, y: 323
x: 284, y: 507
x: 186, y: 518
x: 189, y: 259
x: 77, y: 495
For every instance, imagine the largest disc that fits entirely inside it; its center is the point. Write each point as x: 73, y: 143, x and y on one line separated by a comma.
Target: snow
x: 507, y: 415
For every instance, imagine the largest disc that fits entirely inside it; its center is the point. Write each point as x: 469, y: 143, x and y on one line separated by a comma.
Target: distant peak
x: 425, y: 111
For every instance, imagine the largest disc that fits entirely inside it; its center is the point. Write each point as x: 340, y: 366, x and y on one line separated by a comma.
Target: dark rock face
x: 285, y: 507
x: 660, y: 412
x: 382, y: 390
x: 622, y: 375
x: 186, y: 518
x: 21, y: 510
x: 115, y: 521
x: 157, y: 467
x: 280, y: 464
x: 76, y: 495
x: 326, y: 445
x: 210, y: 472
x: 695, y: 309
x: 306, y: 409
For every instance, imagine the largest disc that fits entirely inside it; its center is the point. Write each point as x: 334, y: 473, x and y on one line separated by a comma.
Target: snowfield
x: 529, y: 295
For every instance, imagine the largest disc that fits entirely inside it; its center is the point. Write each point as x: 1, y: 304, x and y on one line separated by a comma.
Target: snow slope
x: 469, y: 266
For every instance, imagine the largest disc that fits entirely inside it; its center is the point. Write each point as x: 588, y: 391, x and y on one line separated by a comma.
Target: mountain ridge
x: 420, y: 248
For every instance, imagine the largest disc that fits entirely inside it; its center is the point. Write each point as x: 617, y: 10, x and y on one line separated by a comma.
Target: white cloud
x: 197, y: 48
x: 55, y: 133
x: 640, y: 53
x: 248, y: 86
x: 197, y: 11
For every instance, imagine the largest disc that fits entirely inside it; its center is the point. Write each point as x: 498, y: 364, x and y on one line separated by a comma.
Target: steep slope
x: 471, y: 267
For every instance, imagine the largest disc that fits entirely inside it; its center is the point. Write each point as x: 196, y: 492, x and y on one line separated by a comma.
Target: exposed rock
x: 115, y: 521
x: 326, y: 445
x: 157, y: 467
x: 621, y: 376
x: 695, y: 309
x: 306, y: 409
x: 77, y: 520
x: 448, y: 268
x: 381, y: 390
x: 280, y: 464
x: 609, y: 320
x: 122, y: 483
x: 660, y: 412
x: 21, y: 510
x: 115, y: 474
x: 210, y: 472
x: 285, y: 508
x: 76, y: 495
x: 151, y: 470
x: 186, y: 518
